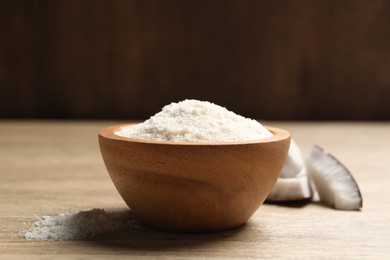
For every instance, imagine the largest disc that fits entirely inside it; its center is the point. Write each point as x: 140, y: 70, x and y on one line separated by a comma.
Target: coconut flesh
x: 333, y: 182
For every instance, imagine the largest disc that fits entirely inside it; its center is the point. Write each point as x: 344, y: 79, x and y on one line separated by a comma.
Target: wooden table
x: 48, y: 167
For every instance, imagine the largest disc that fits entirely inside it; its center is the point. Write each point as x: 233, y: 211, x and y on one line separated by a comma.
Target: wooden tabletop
x: 49, y: 167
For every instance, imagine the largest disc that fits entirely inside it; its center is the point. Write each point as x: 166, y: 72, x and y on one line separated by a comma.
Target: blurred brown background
x: 281, y: 60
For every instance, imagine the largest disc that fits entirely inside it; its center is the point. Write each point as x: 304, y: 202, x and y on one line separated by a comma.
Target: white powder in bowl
x: 196, y: 121
x: 80, y: 225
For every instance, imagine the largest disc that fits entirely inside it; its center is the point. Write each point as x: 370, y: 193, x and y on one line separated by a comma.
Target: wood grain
x: 48, y: 167
x: 320, y: 59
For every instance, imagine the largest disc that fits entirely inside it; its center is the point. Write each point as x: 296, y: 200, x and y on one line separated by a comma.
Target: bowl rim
x: 109, y: 133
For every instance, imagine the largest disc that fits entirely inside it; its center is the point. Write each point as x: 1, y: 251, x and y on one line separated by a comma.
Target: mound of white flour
x: 80, y: 225
x: 196, y: 121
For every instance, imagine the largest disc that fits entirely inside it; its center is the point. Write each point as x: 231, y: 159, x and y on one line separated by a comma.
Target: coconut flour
x: 80, y: 225
x: 196, y: 121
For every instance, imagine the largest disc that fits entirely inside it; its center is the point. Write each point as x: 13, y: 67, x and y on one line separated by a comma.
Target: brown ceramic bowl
x: 194, y: 187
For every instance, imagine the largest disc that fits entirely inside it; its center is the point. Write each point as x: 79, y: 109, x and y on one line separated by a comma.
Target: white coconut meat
x: 293, y: 183
x: 294, y: 162
x: 334, y: 183
x: 292, y: 189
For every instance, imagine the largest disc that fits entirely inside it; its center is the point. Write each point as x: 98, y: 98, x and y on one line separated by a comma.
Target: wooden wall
x: 281, y: 59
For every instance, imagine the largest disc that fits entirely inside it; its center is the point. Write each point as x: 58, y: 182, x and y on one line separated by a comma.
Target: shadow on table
x: 291, y: 204
x: 142, y: 238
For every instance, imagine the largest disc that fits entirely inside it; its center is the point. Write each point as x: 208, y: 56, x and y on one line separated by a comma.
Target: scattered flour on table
x: 196, y: 121
x: 80, y: 225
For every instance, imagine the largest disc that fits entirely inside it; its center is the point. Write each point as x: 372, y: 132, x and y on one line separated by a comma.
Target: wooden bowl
x: 195, y: 187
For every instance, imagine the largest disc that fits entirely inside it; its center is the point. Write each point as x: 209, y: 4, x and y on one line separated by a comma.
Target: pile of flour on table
x: 196, y: 121
x: 80, y: 225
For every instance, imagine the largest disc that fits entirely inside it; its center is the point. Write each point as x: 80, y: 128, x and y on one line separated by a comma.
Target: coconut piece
x: 291, y: 189
x: 293, y: 182
x: 335, y: 185
x: 294, y: 162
